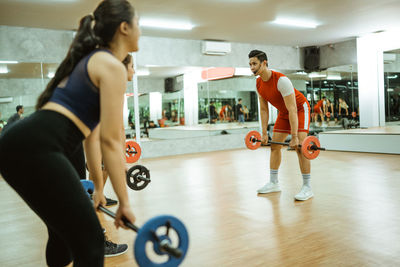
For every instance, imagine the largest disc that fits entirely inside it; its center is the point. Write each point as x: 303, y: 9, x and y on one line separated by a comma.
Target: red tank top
x: 269, y: 91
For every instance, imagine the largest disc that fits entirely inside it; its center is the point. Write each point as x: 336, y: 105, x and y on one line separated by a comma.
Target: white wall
x: 190, y: 81
x: 155, y: 106
x: 370, y: 49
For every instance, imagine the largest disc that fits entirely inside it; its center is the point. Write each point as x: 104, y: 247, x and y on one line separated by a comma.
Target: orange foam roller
x: 132, y: 151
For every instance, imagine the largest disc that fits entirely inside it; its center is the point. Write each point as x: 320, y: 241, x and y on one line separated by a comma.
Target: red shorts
x: 317, y: 110
x: 282, y: 124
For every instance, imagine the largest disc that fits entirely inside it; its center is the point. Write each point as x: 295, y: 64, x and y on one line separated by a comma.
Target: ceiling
x: 246, y: 21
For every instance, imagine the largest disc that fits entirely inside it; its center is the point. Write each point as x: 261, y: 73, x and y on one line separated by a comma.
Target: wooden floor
x: 353, y: 220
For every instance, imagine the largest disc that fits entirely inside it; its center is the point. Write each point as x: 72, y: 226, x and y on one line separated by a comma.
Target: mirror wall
x: 339, y: 86
x: 20, y: 84
x: 392, y: 86
x: 162, y: 97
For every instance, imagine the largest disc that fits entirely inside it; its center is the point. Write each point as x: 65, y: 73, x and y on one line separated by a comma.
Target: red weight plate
x: 251, y: 140
x: 354, y: 114
x: 132, y: 151
x: 328, y: 114
x: 306, y: 147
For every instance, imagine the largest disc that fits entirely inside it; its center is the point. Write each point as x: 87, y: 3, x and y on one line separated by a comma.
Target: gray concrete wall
x: 394, y: 66
x: 338, y: 54
x: 34, y: 45
x: 179, y: 52
x: 147, y: 85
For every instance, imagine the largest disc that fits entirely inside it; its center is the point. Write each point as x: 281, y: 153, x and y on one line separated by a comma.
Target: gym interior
x: 193, y: 153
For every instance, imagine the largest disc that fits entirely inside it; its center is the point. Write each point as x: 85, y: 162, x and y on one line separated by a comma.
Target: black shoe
x: 111, y: 202
x: 111, y: 249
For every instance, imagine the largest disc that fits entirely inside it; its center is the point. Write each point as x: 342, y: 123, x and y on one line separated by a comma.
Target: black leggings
x: 34, y: 160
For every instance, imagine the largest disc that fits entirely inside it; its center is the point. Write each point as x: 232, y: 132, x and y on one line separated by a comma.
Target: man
x: 240, y: 111
x: 213, y: 112
x: 16, y: 117
x: 293, y: 118
x: 320, y: 109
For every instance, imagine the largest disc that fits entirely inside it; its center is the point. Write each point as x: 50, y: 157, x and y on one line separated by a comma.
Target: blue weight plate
x: 145, y: 234
x: 88, y: 186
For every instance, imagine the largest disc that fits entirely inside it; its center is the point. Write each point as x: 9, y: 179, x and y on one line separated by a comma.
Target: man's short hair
x: 19, y: 107
x: 239, y: 99
x: 259, y: 54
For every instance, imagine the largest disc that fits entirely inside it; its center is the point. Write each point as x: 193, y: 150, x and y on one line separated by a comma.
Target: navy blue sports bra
x: 80, y: 95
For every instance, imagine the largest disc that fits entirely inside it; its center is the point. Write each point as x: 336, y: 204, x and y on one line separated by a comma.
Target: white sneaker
x: 304, y: 194
x: 269, y: 188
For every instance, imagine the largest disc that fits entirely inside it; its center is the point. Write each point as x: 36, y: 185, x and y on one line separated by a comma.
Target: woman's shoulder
x: 105, y: 62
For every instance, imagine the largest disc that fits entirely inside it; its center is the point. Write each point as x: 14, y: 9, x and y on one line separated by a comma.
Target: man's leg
x: 275, y: 162
x: 305, y: 168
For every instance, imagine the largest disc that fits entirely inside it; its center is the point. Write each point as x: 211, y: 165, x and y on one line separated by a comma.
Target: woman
x: 329, y: 108
x: 88, y: 87
x: 343, y: 105
x: 128, y: 63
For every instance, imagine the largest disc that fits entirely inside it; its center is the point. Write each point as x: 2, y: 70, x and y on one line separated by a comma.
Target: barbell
x: 310, y: 147
x: 138, y: 177
x: 162, y: 244
x: 132, y: 151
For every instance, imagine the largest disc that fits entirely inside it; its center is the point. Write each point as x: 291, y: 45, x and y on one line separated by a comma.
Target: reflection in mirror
x: 161, y: 100
x: 173, y: 112
x: 392, y: 86
x: 333, y: 97
x: 20, y: 84
x: 219, y: 101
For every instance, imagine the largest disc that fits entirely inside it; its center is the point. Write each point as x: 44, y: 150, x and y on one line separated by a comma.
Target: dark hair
x: 239, y: 99
x: 323, y: 97
x: 259, y: 54
x: 19, y: 107
x: 108, y: 15
x: 127, y: 60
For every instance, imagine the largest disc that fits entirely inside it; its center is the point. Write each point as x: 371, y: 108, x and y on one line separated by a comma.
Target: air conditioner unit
x: 216, y: 48
x: 389, y: 58
x: 6, y: 100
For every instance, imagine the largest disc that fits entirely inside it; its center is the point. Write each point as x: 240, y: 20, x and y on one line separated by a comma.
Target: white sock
x: 306, y: 179
x: 273, y: 176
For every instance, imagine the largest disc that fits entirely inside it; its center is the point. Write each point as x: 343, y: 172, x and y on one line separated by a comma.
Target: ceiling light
x: 392, y: 77
x: 8, y: 62
x: 50, y: 74
x: 316, y: 75
x: 3, y: 69
x: 336, y: 77
x: 142, y: 72
x: 243, y: 72
x: 166, y: 24
x: 301, y: 73
x: 296, y: 23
